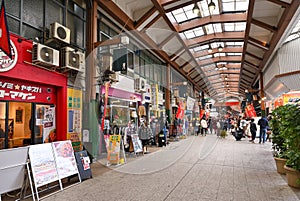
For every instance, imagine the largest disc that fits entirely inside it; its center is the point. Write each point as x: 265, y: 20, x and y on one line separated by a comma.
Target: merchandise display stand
x: 12, y: 169
x: 51, y: 163
x: 137, y: 144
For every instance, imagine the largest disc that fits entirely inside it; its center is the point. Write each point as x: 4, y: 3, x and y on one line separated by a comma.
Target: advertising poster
x: 113, y: 155
x: 292, y: 98
x: 42, y: 164
x: 65, y: 159
x: 137, y: 143
x: 74, y: 123
x: 49, y: 131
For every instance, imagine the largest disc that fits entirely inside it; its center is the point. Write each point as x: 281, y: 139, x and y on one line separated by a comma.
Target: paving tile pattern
x: 197, y: 168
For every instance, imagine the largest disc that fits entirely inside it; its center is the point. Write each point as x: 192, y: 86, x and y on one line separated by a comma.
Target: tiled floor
x: 196, y: 168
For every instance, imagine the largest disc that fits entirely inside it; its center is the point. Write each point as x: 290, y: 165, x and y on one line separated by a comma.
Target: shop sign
x: 6, y: 63
x: 190, y: 102
x: 21, y: 91
x: 160, y: 98
x: 154, y: 96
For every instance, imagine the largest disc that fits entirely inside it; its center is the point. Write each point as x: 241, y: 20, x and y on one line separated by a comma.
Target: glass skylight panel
x: 241, y: 5
x: 209, y: 66
x: 171, y: 17
x: 199, y: 31
x: 236, y: 44
x: 189, y: 34
x: 205, y: 57
x: 220, y: 54
x: 182, y: 35
x: 217, y: 27
x: 228, y: 6
x: 229, y: 26
x: 234, y: 54
x: 204, y: 9
x: 240, y: 26
x: 200, y: 48
x: 209, y: 29
x: 180, y: 17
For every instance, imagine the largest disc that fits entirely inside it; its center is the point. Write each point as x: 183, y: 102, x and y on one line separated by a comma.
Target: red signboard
x: 20, y: 90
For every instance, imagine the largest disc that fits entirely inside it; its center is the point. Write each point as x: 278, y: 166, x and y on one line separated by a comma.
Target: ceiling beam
x: 254, y: 56
x: 264, y: 25
x: 219, y: 59
x: 215, y: 50
x: 216, y: 37
x: 247, y: 31
x: 199, y: 22
x: 179, y: 5
x: 121, y: 17
x: 284, y: 22
x: 167, y: 2
x: 166, y: 40
x: 177, y: 54
x: 145, y: 17
x: 151, y: 22
x: 258, y: 43
x: 280, y: 3
x: 163, y: 14
x: 251, y: 65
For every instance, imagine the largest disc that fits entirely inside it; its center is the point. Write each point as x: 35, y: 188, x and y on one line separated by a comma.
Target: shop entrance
x: 21, y: 123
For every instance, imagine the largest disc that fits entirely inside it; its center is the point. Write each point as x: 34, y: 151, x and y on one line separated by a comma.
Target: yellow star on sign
x: 17, y: 87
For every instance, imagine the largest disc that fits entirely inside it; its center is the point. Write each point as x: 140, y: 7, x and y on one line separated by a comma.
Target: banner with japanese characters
x: 20, y: 90
x: 74, y: 118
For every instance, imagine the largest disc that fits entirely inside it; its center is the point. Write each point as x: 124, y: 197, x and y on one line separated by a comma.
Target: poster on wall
x: 65, y: 159
x: 49, y: 131
x: 42, y: 164
x: 74, y: 124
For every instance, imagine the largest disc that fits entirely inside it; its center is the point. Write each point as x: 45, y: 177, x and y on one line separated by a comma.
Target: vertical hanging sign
x: 107, y: 84
x: 74, y: 118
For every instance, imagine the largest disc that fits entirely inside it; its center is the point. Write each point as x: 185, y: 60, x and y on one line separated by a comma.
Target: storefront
x: 33, y: 99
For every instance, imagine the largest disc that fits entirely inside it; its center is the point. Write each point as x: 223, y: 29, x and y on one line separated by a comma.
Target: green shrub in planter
x: 290, y: 129
x: 279, y: 145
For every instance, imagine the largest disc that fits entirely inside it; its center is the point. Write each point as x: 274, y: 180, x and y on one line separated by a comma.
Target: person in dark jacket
x: 263, y: 123
x: 253, y: 130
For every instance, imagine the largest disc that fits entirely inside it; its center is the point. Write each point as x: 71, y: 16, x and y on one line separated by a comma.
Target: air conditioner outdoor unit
x: 45, y: 56
x: 140, y: 84
x: 60, y: 32
x: 70, y: 59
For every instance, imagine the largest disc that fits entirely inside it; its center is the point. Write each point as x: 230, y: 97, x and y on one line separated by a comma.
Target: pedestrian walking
x: 253, y: 130
x: 204, y: 126
x: 263, y: 123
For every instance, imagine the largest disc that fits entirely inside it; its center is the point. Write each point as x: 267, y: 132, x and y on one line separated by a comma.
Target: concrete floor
x: 197, y: 168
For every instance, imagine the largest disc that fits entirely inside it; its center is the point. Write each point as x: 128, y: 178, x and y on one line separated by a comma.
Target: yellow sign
x: 75, y: 117
x: 113, y: 155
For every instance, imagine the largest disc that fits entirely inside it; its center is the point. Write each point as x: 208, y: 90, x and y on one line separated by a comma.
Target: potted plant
x: 290, y: 128
x: 278, y: 139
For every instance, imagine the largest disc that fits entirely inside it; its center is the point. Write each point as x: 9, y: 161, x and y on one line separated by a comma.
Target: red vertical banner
x: 107, y: 84
x: 202, y: 112
x: 4, y: 33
